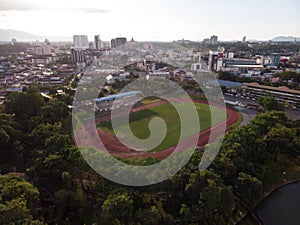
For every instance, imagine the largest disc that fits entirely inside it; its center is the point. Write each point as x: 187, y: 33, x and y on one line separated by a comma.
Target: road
x: 249, y: 114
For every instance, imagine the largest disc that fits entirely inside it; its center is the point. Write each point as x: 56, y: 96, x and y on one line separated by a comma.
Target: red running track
x: 117, y: 149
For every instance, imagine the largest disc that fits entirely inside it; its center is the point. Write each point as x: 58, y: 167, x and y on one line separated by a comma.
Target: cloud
x: 95, y: 10
x: 16, y: 5
x: 21, y: 5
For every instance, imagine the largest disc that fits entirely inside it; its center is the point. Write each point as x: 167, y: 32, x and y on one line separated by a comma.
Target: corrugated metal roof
x: 113, y: 97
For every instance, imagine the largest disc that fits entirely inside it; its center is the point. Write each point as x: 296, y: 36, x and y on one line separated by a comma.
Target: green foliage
x: 270, y: 103
x: 65, y: 59
x: 69, y: 206
x: 283, y: 139
x: 118, y: 206
x: 54, y: 111
x: 288, y: 75
x: 224, y: 75
x: 18, y: 200
x: 47, y: 136
x: 241, y: 172
x: 25, y: 104
x: 250, y: 188
x: 12, y: 186
x: 139, y: 122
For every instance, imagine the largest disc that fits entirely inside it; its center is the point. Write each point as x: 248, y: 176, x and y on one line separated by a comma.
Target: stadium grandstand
x: 116, y: 101
x: 289, y: 97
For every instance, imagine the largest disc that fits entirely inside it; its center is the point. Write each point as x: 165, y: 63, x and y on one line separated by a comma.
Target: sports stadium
x: 146, y: 109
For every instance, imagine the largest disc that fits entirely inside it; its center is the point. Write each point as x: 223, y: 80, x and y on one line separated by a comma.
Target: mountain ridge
x: 9, y: 34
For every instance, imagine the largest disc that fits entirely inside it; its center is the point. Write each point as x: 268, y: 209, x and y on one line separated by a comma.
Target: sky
x: 154, y: 20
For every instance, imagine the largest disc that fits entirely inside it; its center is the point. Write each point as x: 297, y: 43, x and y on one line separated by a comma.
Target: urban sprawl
x: 245, y: 69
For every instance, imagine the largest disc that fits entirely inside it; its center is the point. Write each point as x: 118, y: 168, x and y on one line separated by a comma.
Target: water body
x: 282, y: 206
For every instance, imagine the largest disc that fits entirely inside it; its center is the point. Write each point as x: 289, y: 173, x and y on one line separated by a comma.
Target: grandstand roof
x: 226, y: 83
x: 279, y: 89
x: 113, y: 97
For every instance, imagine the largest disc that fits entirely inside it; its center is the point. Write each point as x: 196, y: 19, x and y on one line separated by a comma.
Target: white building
x: 230, y: 55
x: 196, y: 67
x: 106, y: 44
x: 214, y: 39
x: 215, y: 61
x: 43, y: 50
x: 80, y: 42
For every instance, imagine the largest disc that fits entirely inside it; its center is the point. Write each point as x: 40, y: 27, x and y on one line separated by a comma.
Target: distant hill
x: 284, y: 39
x: 7, y: 35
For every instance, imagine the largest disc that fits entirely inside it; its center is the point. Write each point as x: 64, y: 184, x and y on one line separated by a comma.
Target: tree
x: 9, y: 133
x: 68, y: 206
x: 24, y: 105
x: 224, y: 75
x: 17, y: 212
x: 54, y: 111
x: 119, y: 206
x: 250, y: 188
x: 53, y: 166
x: 13, y: 186
x: 288, y: 75
x: 18, y: 200
x: 153, y: 215
x: 282, y: 138
x: 43, y: 135
x: 270, y: 103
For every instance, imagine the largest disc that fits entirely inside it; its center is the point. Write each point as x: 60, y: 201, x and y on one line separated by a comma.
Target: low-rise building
x: 289, y: 97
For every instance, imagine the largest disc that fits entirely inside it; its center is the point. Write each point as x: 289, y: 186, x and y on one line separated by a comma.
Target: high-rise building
x: 97, y: 42
x: 106, y: 44
x: 214, y: 39
x: 43, y: 50
x: 78, y: 55
x: 215, y: 61
x: 275, y: 59
x: 118, y: 42
x: 13, y: 41
x: 80, y: 42
x: 113, y: 43
x: 244, y: 39
x: 91, y: 46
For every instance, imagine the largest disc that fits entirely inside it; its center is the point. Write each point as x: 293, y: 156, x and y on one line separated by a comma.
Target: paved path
x: 247, y: 114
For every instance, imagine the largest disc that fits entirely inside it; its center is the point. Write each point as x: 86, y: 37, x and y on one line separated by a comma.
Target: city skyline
x: 153, y: 20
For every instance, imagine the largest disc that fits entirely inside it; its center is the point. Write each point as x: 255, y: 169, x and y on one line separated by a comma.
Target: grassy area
x: 139, y: 122
x: 287, y: 169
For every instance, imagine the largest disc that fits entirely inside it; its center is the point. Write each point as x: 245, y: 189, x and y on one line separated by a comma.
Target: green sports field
x: 139, y: 122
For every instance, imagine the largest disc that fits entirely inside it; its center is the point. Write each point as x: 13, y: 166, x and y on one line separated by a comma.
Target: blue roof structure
x: 15, y: 89
x: 227, y: 83
x: 113, y: 97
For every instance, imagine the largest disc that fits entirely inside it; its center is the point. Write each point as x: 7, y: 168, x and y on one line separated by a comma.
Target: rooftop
x: 113, y: 97
x: 279, y: 89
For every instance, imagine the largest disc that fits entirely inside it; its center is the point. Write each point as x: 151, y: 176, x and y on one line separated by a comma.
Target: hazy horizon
x: 91, y: 38
x: 153, y: 20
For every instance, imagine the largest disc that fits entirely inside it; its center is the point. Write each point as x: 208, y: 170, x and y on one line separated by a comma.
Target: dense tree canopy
x: 72, y: 193
x: 270, y: 103
x: 18, y: 200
